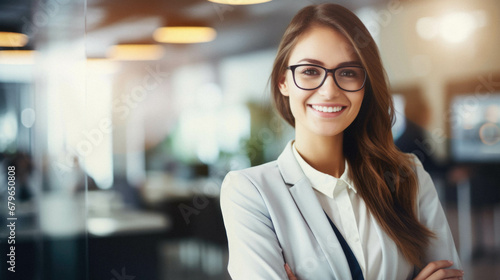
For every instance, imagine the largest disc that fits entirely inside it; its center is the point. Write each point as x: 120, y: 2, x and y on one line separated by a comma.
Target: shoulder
x: 251, y: 188
x: 426, y: 188
x: 417, y: 166
x: 256, y: 175
x: 255, y: 183
x: 415, y: 160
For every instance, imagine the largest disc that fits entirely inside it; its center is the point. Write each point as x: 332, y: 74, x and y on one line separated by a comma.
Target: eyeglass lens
x: 347, y: 78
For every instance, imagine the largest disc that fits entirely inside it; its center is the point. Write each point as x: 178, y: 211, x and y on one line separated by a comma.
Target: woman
x: 340, y: 202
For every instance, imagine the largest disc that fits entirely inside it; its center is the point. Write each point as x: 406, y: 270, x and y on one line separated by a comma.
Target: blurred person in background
x: 341, y: 201
x: 413, y: 139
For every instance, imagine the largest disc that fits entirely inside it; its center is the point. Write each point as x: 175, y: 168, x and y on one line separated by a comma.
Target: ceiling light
x: 184, y: 34
x: 239, y: 2
x: 135, y: 52
x: 17, y: 57
x: 453, y: 28
x: 12, y: 39
x: 457, y: 27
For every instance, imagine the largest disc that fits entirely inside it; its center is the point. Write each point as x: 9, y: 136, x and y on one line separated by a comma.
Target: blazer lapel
x: 310, y: 208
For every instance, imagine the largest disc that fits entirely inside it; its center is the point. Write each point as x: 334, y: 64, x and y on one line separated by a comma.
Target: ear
x: 283, y: 85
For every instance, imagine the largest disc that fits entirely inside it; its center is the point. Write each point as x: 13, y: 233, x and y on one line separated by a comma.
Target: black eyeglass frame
x: 293, y: 67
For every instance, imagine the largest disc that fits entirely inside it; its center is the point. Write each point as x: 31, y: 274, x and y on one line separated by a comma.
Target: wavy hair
x: 384, y: 176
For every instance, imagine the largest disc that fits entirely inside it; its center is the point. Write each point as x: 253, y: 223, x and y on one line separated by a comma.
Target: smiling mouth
x: 327, y: 109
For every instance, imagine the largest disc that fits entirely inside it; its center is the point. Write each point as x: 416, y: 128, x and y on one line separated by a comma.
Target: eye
x: 348, y: 73
x: 309, y: 71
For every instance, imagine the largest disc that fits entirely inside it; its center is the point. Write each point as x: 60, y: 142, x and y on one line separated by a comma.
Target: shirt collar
x: 323, y: 182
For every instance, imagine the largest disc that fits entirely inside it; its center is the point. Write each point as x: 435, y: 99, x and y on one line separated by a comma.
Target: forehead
x: 325, y: 44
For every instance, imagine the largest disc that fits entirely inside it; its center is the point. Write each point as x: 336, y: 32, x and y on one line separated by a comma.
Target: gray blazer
x: 272, y: 217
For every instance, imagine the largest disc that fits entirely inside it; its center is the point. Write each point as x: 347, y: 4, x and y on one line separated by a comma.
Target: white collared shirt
x: 347, y: 210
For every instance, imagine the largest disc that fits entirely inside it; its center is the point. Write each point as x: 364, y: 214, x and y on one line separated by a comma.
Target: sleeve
x: 254, y: 251
x: 431, y: 215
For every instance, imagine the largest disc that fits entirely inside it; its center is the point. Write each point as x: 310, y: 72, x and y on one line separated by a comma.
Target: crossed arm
x: 436, y: 270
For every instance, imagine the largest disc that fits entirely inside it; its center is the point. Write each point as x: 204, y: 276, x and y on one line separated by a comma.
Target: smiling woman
x: 341, y: 201
x: 318, y: 104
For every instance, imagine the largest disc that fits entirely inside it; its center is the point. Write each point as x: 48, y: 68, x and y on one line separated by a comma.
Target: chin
x: 328, y: 131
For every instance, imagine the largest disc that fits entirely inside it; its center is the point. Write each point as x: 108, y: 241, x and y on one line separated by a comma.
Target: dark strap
x: 356, y: 272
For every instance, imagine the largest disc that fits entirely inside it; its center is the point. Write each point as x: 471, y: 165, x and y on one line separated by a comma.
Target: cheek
x: 358, y: 100
x: 294, y: 104
x: 297, y: 101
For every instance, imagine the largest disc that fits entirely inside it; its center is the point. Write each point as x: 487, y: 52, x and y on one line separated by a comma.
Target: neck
x: 323, y: 153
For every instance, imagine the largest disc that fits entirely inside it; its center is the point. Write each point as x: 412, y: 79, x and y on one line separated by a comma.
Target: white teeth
x: 327, y: 109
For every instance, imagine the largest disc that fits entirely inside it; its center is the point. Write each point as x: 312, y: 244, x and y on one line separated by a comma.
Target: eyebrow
x: 320, y: 63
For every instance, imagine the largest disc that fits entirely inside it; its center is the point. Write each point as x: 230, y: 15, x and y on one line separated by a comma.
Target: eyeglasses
x: 310, y: 76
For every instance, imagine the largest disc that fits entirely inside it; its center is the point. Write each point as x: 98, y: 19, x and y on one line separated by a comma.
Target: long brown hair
x: 384, y: 176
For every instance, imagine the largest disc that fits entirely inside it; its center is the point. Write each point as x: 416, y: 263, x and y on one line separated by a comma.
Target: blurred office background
x: 121, y: 131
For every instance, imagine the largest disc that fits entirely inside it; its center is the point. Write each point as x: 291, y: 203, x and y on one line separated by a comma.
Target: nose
x: 329, y: 89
